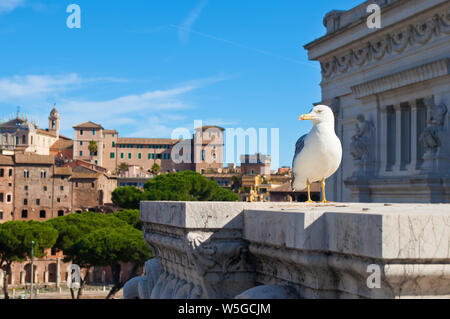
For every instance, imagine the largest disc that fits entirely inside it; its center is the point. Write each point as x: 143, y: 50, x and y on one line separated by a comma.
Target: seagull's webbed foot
x: 310, y: 202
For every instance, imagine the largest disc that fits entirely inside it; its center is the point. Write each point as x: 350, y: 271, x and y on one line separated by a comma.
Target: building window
x: 121, y: 155
x: 93, y: 132
x: 8, y: 198
x: 1, y: 215
x: 113, y: 144
x: 151, y: 156
x: 38, y: 201
x: 93, y: 185
x: 45, y: 188
x: 10, y: 172
x: 81, y: 153
x: 58, y: 200
x: 2, y: 172
x: 25, y: 187
x: 60, y: 213
x: 158, y: 146
x: 1, y: 197
x: 139, y: 156
x: 23, y: 139
x: 129, y: 155
x: 43, y: 174
x: 26, y: 174
x: 81, y: 132
x: 42, y: 214
x: 96, y: 162
x: 25, y: 202
x: 166, y: 156
x: 61, y: 188
x: 167, y: 147
x: 76, y: 184
x: 159, y: 156
x: 203, y: 155
x: 81, y: 143
x: 24, y: 213
x: 112, y: 155
x: 152, y: 146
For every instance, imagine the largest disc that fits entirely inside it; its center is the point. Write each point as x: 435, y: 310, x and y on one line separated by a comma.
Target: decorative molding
x: 393, y: 42
x: 414, y: 75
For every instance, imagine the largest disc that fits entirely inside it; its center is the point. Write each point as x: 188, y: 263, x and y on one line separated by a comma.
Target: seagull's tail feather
x: 298, y: 184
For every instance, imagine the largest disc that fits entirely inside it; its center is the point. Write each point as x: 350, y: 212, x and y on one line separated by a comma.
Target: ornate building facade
x: 390, y: 91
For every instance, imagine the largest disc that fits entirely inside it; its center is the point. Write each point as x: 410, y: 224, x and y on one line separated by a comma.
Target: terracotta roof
x: 131, y: 140
x: 34, y: 159
x: 45, y: 132
x: 216, y: 175
x: 6, y: 160
x: 203, y: 128
x: 88, y: 124
x: 62, y: 144
x: 63, y: 171
x: 76, y: 175
x: 110, y: 131
x: 286, y: 188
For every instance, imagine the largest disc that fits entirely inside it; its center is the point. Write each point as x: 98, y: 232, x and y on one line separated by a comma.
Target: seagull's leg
x: 308, y: 184
x: 324, y: 199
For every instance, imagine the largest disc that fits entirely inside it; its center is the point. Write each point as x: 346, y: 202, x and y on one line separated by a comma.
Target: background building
x: 201, y: 153
x: 389, y: 89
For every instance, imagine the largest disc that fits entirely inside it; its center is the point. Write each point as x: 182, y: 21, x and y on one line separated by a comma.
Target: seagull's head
x: 319, y: 114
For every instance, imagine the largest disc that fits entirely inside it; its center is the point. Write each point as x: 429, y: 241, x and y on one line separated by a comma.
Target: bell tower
x: 53, y: 122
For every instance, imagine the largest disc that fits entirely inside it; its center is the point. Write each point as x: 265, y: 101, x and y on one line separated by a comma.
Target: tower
x: 53, y: 122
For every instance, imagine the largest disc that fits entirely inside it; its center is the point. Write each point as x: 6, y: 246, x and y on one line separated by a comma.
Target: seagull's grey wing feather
x: 298, y: 147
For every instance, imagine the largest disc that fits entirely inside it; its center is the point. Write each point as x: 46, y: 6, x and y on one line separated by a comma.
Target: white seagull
x: 317, y: 154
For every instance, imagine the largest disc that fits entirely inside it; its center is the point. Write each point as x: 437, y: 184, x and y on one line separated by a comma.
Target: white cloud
x: 186, y: 25
x: 9, y: 5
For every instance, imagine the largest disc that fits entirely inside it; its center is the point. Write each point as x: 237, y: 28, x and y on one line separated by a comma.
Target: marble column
x: 414, y: 137
x: 46, y: 277
x: 22, y: 277
x: 58, y: 272
x: 383, y: 138
x: 398, y: 138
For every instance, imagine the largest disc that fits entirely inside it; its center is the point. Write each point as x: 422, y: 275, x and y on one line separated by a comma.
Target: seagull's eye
x: 319, y: 111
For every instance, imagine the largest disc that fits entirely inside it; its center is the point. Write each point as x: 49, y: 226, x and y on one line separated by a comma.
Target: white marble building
x: 390, y: 91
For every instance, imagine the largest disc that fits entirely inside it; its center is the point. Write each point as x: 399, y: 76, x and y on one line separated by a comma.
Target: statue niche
x: 361, y: 142
x: 430, y: 138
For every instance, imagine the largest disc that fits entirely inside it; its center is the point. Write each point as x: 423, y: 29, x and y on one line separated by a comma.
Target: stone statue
x: 430, y: 137
x: 359, y: 148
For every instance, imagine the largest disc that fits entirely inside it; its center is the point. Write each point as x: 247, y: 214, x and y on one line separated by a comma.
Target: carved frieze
x: 393, y: 42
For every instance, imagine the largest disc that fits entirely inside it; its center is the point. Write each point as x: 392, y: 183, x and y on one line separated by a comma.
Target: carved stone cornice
x: 414, y: 75
x: 388, y: 44
x: 195, y: 263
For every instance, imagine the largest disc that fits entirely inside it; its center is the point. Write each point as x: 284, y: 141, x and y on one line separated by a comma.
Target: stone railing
x: 282, y: 250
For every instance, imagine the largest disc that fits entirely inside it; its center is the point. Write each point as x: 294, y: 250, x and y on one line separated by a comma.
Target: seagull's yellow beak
x: 305, y: 117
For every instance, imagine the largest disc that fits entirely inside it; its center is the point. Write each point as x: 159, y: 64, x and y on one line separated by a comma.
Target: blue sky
x: 145, y: 67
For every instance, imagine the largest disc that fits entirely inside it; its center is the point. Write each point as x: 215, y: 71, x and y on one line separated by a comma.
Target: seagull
x: 318, y: 154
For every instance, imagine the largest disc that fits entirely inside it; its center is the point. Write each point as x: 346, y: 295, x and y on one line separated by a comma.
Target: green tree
x: 112, y: 247
x: 236, y: 184
x: 186, y: 186
x: 155, y: 169
x: 131, y: 216
x: 72, y: 228
x: 15, y: 243
x: 93, y: 147
x: 127, y: 197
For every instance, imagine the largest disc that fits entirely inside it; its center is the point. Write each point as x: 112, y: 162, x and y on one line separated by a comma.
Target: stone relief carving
x: 397, y: 41
x: 430, y: 138
x: 361, y: 141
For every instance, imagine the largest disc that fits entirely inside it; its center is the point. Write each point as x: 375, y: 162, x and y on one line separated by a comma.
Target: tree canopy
x: 15, y: 243
x: 127, y: 197
x: 131, y: 216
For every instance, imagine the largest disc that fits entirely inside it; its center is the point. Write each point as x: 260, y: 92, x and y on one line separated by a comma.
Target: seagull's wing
x: 298, y: 147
